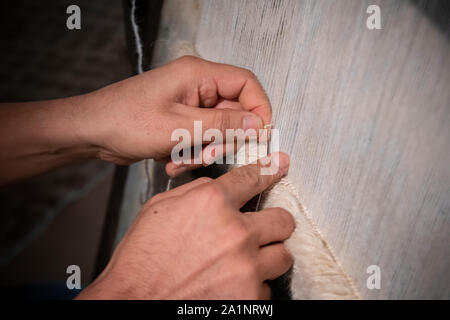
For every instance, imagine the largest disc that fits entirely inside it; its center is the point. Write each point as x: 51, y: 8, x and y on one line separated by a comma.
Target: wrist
x: 96, y: 124
x: 65, y: 129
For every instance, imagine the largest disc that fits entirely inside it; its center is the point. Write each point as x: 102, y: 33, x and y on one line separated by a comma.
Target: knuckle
x: 215, y: 190
x: 213, y: 194
x: 221, y: 120
x: 240, y: 231
x: 207, y: 90
x: 186, y: 64
x: 204, y: 179
x: 249, y: 73
x: 251, y: 177
x: 187, y: 59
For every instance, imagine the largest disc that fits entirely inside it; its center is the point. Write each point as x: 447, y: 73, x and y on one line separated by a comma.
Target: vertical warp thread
x: 137, y: 37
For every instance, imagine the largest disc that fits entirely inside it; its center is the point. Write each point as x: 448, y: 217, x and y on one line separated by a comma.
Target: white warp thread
x: 316, y: 273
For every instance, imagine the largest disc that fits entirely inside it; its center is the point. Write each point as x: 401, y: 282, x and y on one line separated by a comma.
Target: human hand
x: 192, y: 242
x: 133, y: 119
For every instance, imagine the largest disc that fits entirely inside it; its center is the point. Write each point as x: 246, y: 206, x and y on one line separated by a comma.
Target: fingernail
x: 252, y: 122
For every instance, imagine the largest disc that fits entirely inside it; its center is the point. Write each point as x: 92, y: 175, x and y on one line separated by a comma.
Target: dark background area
x: 52, y: 221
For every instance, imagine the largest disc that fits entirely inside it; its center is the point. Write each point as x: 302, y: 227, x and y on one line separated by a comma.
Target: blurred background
x: 55, y: 220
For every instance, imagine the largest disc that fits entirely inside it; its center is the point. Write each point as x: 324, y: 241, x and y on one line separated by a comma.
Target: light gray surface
x: 365, y: 116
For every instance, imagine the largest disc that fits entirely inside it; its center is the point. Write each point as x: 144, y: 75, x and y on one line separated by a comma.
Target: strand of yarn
x: 137, y: 37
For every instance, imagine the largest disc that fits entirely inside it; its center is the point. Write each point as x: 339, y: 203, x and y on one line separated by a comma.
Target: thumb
x: 243, y: 183
x: 223, y: 119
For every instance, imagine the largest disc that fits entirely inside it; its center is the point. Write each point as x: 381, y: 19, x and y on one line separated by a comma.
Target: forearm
x: 36, y: 137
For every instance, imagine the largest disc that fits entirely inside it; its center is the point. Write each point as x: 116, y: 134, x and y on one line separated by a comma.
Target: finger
x: 221, y: 119
x: 175, y: 169
x: 178, y: 191
x: 213, y: 81
x: 274, y: 260
x: 209, y: 154
x: 243, y: 183
x: 215, y: 152
x: 271, y: 225
x: 241, y: 84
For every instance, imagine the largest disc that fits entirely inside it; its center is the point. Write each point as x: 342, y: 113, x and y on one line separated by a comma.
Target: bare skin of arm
x: 36, y: 137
